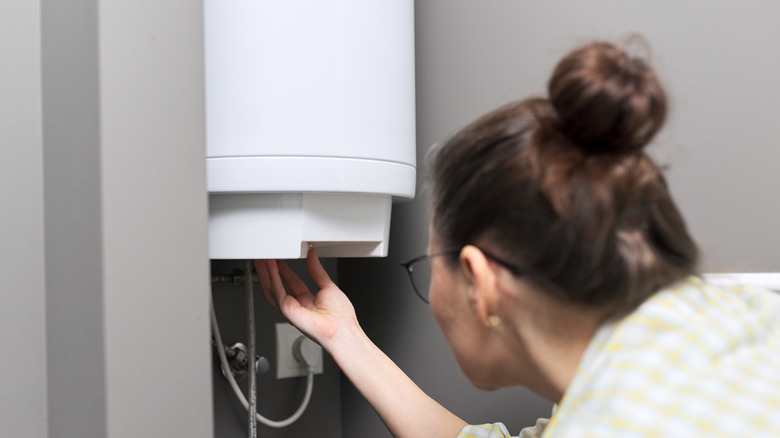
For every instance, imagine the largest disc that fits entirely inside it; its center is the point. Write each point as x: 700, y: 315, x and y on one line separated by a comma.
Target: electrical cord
x: 224, y: 362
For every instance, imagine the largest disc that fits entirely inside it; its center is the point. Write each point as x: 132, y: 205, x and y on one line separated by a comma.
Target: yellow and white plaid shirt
x: 695, y: 360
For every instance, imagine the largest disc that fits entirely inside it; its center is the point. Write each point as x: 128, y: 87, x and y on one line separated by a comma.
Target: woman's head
x: 561, y: 186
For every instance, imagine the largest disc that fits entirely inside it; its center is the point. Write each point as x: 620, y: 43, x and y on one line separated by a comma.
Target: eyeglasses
x: 419, y: 269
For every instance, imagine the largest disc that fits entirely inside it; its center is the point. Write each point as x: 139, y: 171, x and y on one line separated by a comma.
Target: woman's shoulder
x: 692, y: 357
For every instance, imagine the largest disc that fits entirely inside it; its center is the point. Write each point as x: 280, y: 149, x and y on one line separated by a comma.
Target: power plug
x: 307, y: 352
x: 295, y: 353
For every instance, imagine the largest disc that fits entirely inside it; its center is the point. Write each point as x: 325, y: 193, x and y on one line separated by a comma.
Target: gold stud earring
x: 494, y: 320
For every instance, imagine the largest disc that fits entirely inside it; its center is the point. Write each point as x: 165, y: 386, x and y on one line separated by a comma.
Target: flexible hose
x: 224, y: 362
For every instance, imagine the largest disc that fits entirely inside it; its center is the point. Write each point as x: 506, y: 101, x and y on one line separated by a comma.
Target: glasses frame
x: 409, y: 265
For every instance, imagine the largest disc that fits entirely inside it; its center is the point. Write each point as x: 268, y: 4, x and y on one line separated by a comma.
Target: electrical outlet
x: 286, y: 363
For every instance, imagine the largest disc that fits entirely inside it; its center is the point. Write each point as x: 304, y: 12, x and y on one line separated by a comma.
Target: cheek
x: 442, y: 302
x: 443, y: 305
x: 456, y: 323
x: 438, y: 304
x: 460, y: 328
x: 469, y: 353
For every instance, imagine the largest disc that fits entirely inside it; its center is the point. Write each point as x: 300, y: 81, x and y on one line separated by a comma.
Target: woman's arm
x: 329, y: 318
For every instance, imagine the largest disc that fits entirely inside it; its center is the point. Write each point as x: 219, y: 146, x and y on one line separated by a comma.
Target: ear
x: 483, y: 280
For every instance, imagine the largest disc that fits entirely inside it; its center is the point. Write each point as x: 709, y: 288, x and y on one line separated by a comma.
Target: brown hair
x: 563, y: 188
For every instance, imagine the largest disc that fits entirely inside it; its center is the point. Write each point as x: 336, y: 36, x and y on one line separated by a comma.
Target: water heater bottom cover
x: 283, y: 225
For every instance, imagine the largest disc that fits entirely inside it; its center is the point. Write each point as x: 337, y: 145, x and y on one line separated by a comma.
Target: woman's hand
x: 328, y: 317
x: 320, y: 316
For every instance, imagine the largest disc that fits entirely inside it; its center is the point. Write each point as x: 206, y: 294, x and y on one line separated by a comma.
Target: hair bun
x: 606, y: 100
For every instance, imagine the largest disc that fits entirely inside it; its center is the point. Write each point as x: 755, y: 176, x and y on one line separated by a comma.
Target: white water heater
x: 310, y: 125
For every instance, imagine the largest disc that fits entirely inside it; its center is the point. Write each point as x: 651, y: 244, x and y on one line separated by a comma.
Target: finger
x: 277, y: 287
x: 297, y: 287
x: 317, y: 272
x: 262, y: 274
x: 288, y: 305
x: 265, y: 282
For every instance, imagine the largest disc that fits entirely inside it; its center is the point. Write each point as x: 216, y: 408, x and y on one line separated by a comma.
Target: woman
x: 559, y: 256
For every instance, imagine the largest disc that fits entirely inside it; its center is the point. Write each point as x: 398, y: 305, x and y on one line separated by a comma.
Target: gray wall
x: 105, y: 273
x: 104, y: 307
x: 22, y: 300
x: 76, y: 365
x: 154, y: 218
x: 718, y: 60
x: 277, y: 399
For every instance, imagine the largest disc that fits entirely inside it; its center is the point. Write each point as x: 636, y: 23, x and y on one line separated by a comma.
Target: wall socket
x: 286, y: 363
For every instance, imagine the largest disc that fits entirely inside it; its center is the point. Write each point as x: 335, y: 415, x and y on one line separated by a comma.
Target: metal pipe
x: 237, y: 278
x: 250, y: 320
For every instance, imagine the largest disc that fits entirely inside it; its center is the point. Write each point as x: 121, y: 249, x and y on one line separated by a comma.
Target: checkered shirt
x: 695, y: 360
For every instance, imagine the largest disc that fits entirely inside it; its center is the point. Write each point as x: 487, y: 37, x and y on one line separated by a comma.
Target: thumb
x: 317, y: 272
